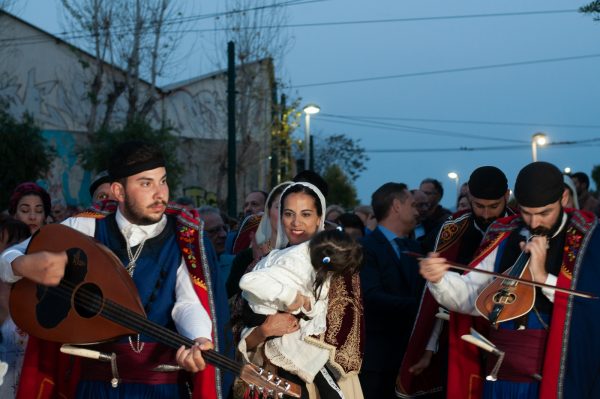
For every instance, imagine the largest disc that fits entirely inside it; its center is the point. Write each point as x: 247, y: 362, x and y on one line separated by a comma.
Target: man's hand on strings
x: 190, y: 359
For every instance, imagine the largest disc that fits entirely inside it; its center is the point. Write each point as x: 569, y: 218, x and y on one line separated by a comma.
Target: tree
x: 592, y: 8
x: 256, y: 29
x: 131, y: 35
x: 340, y: 150
x: 24, y: 153
x: 7, y: 5
x: 281, y: 138
x: 97, y: 154
x: 341, y: 190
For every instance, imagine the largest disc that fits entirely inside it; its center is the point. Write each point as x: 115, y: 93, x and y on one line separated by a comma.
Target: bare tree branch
x: 130, y: 35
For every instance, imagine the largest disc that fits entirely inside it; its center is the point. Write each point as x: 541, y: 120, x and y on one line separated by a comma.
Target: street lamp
x: 309, y: 110
x: 567, y: 171
x: 540, y: 139
x: 454, y: 176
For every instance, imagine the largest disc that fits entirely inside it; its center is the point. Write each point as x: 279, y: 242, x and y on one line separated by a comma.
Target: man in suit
x: 391, y: 286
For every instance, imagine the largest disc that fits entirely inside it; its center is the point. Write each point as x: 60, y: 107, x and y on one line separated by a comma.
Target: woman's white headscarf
x: 263, y: 232
x: 569, y: 182
x: 282, y: 239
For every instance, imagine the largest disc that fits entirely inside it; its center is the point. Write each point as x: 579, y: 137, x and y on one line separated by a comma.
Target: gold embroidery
x: 451, y: 231
x: 198, y: 282
x: 345, y: 304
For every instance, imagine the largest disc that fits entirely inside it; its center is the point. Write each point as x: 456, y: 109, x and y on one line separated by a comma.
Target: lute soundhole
x: 87, y: 300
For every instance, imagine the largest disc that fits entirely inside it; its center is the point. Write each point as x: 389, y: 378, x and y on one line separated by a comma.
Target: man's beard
x: 545, y: 231
x: 484, y: 223
x: 135, y: 215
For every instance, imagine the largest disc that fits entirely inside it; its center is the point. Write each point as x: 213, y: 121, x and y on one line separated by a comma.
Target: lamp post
x: 454, y: 176
x: 540, y: 139
x: 309, y: 110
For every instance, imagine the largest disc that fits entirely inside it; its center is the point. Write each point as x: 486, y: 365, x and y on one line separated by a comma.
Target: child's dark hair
x: 333, y: 252
x: 13, y: 231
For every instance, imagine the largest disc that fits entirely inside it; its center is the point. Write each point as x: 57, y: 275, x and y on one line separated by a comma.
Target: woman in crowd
x: 301, y: 216
x: 463, y: 203
x: 572, y: 200
x: 30, y: 204
x: 264, y: 240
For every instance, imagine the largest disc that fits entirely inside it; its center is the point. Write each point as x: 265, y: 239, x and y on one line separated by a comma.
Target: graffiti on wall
x: 67, y: 181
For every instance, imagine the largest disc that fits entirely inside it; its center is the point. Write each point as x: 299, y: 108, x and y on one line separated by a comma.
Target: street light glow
x: 454, y: 176
x: 311, y: 109
x: 540, y: 139
x: 567, y: 170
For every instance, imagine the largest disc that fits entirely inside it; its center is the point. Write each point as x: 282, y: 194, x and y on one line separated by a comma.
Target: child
x: 296, y: 280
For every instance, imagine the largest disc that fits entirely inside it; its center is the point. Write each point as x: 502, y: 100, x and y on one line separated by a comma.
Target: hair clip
x: 340, y: 228
x: 326, y: 260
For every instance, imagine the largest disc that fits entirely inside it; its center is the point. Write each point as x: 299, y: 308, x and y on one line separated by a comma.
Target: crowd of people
x: 345, y: 303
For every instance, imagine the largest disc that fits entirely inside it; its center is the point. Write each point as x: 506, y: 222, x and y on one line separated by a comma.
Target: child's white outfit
x: 271, y: 287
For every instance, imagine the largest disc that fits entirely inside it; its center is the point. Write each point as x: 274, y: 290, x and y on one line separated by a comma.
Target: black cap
x: 133, y: 157
x: 488, y: 182
x: 539, y: 184
x: 98, y: 180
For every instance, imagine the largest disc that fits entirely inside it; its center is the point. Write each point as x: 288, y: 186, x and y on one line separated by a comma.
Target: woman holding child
x: 309, y: 320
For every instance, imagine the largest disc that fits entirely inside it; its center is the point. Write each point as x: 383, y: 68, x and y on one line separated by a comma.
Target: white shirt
x: 190, y: 317
x: 458, y: 292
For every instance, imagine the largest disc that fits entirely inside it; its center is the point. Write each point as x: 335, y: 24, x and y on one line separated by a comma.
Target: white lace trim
x: 308, y: 359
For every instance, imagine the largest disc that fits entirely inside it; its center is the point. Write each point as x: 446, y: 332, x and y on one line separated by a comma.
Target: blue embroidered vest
x: 156, y: 268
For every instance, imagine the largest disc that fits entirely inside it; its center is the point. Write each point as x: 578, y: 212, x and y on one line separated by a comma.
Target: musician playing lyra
x: 551, y: 351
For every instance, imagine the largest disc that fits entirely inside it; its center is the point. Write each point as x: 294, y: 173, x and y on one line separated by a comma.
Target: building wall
x: 47, y: 78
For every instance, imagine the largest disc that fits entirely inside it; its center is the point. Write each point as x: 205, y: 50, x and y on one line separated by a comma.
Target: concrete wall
x: 45, y: 77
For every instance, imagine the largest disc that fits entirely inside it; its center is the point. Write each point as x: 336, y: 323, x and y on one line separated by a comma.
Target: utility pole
x: 275, y: 132
x: 231, y: 144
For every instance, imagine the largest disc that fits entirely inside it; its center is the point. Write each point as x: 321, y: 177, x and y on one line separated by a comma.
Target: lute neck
x: 136, y: 322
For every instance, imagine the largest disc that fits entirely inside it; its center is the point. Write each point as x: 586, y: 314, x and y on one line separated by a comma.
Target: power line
x: 80, y: 34
x: 68, y: 35
x: 586, y: 143
x: 459, y: 121
x: 394, y: 20
x: 420, y: 130
x: 449, y: 70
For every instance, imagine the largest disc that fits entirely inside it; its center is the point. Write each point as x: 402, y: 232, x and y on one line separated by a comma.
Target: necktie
x: 402, y: 244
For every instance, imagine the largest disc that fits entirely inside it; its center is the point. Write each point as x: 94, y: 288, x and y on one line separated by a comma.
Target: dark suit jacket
x: 392, y: 289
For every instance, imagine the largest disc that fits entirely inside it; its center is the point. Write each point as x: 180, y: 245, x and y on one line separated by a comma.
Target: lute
x: 97, y: 301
